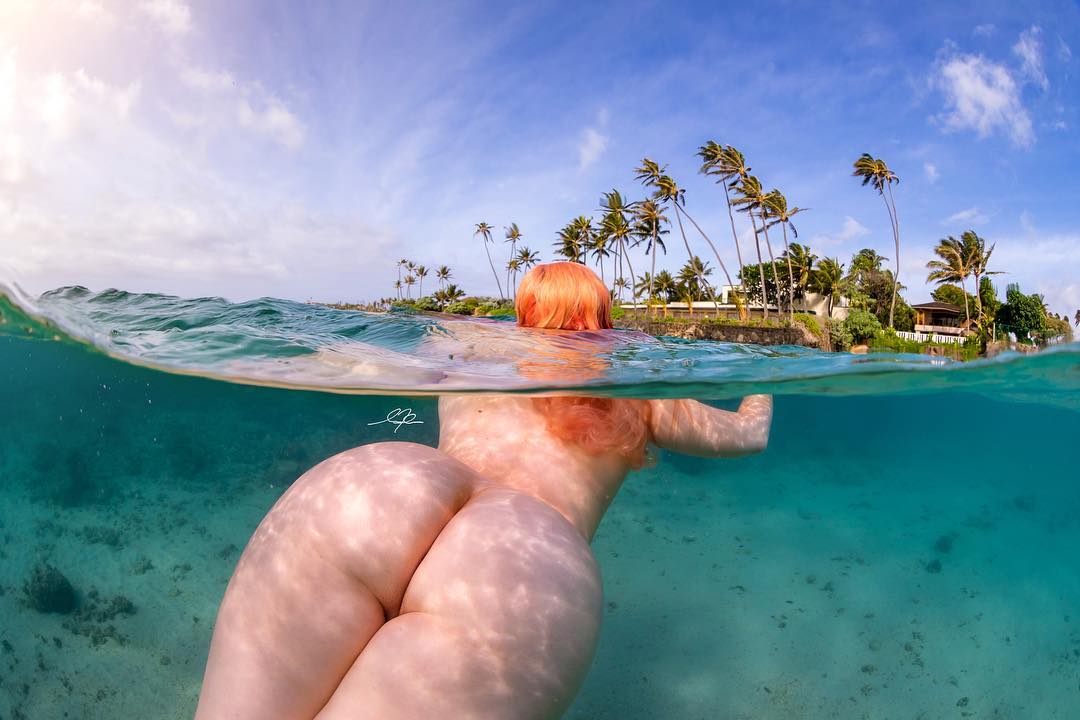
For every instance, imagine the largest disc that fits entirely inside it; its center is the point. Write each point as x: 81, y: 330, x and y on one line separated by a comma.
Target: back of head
x: 563, y: 296
x: 569, y: 296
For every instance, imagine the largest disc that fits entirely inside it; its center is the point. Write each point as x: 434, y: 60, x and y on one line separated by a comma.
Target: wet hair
x: 569, y: 296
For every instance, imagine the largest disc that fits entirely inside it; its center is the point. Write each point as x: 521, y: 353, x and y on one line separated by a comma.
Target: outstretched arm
x: 693, y: 428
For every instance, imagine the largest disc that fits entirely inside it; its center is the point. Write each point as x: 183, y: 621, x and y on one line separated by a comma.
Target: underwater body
x: 906, y: 547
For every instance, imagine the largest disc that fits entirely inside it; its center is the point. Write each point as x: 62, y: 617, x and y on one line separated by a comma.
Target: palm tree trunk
x: 963, y: 289
x: 652, y: 274
x: 978, y: 299
x: 735, y: 235
x: 493, y: 271
x: 711, y: 246
x: 896, y: 240
x: 761, y: 269
x: 626, y: 255
x: 790, y: 273
x: 772, y: 261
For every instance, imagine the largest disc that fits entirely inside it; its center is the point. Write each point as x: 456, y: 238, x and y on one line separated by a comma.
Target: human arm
x: 693, y: 428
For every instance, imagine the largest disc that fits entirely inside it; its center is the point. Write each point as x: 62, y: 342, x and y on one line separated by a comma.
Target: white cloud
x: 207, y: 80
x: 850, y: 229
x: 970, y: 216
x: 590, y: 148
x: 273, y: 120
x: 1029, y: 49
x: 173, y: 16
x: 983, y: 96
x: 984, y: 30
x: 931, y: 172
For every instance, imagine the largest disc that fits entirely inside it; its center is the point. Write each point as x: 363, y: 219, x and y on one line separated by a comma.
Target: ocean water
x: 907, y: 546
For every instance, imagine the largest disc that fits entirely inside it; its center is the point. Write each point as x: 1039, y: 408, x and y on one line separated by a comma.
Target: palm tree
x: 641, y: 287
x: 421, y: 272
x: 599, y: 247
x: 616, y: 226
x: 567, y: 243
x: 752, y: 199
x: 874, y: 171
x: 400, y: 264
x: 665, y: 285
x: 953, y: 266
x: 978, y: 258
x: 648, y: 225
x: 512, y: 267
x: 450, y: 294
x: 727, y: 165
x: 484, y: 231
x: 410, y: 280
x: 777, y: 209
x: 513, y: 234
x: 802, y: 262
x: 667, y: 191
x: 528, y: 257
x: 397, y: 287
x: 443, y: 274
x: 828, y: 280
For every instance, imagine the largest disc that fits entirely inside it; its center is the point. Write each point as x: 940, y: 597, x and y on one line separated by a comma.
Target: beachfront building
x: 810, y: 303
x: 938, y: 322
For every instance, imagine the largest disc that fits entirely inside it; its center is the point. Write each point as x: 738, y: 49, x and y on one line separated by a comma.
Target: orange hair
x: 569, y: 296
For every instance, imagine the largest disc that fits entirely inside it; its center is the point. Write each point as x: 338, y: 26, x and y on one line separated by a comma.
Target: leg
x: 500, y: 621
x: 322, y: 573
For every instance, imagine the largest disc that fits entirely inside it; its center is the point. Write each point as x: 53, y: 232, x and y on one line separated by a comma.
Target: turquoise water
x: 905, y: 548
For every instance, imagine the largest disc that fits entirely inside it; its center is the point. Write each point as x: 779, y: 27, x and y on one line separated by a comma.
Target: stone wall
x: 796, y: 335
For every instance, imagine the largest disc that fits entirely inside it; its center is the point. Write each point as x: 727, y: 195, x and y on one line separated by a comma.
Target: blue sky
x: 256, y: 148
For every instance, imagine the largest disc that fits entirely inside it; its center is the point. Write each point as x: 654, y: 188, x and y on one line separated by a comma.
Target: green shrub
x: 617, y: 313
x: 427, y: 303
x: 460, y: 308
x: 839, y: 335
x: 809, y: 322
x: 863, y: 325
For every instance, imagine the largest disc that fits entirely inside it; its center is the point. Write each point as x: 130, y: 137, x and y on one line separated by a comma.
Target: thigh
x: 322, y: 573
x: 499, y: 621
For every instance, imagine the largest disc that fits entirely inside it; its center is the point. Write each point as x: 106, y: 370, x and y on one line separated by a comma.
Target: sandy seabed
x: 766, y: 587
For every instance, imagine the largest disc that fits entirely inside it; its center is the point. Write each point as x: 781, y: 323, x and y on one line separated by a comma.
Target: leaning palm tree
x: 828, y: 280
x: 484, y: 231
x: 952, y: 267
x: 648, y: 226
x: 443, y: 274
x: 727, y: 165
x: 874, y: 171
x: 750, y: 200
x: 513, y: 234
x: 668, y: 192
x: 978, y: 259
x: 778, y: 211
x: 421, y: 272
x: 400, y: 264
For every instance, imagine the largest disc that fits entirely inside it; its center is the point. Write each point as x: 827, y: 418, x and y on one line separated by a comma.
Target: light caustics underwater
x: 905, y: 547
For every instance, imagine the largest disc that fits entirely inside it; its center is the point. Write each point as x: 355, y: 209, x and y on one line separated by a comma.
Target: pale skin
x: 397, y: 580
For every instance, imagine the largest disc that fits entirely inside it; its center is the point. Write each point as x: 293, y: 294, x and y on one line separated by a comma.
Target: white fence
x: 932, y: 337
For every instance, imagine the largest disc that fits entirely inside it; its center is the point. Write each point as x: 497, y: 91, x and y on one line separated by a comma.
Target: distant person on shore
x: 397, y: 580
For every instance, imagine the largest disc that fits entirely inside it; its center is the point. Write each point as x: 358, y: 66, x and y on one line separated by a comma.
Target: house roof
x: 938, y: 307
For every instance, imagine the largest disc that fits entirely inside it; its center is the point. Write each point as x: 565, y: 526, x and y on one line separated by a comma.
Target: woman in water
x: 397, y: 580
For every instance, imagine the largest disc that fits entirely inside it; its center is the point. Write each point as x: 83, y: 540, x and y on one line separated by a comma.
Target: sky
x: 298, y: 150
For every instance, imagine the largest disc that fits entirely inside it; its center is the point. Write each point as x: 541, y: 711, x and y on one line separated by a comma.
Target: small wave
x: 269, y: 341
